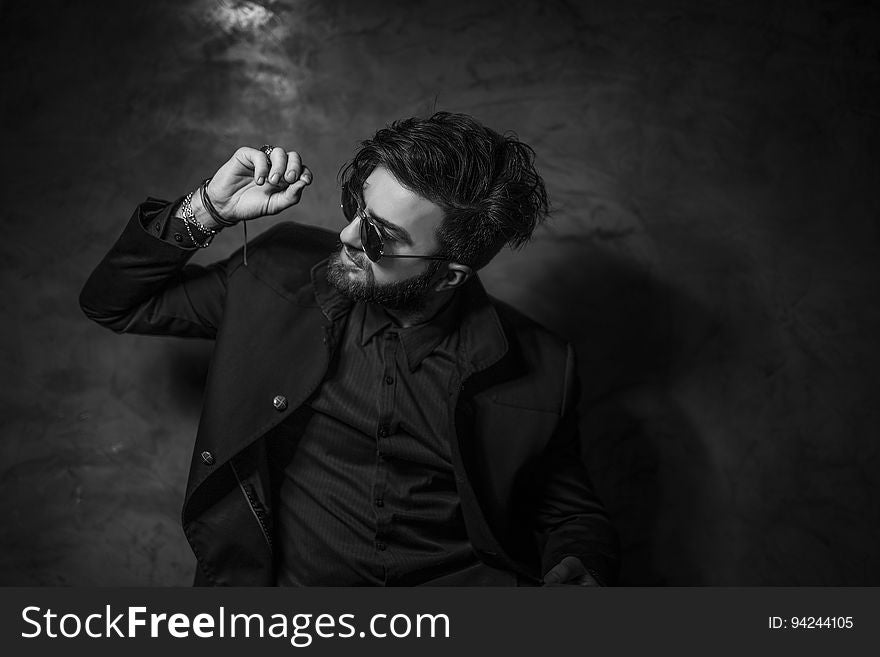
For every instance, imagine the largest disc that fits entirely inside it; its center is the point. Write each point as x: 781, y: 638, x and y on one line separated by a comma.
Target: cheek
x: 381, y: 275
x: 396, y: 270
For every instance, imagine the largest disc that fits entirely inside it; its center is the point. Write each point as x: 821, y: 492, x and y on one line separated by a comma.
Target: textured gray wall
x: 713, y: 253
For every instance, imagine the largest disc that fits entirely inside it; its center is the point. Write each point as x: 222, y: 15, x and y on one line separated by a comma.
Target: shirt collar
x: 418, y: 341
x: 483, y: 341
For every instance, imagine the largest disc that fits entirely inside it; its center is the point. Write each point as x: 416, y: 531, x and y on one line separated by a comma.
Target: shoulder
x: 293, y: 238
x: 538, y: 369
x: 285, y: 253
x: 531, y: 337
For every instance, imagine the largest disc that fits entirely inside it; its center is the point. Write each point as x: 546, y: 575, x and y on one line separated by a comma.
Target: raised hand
x: 247, y: 187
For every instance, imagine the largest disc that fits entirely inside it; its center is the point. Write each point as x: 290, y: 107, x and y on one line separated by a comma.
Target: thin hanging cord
x: 244, y: 225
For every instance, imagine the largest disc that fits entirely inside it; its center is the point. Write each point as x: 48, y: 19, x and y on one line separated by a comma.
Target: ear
x: 455, y: 276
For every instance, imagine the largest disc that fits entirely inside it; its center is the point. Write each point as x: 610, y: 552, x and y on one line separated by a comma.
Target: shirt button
x: 383, y: 431
x: 389, y: 380
x: 178, y: 237
x: 208, y: 458
x: 380, y: 546
x: 280, y: 403
x: 380, y: 501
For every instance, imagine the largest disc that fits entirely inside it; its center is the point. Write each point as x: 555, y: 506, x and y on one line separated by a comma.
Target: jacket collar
x: 483, y: 341
x: 333, y: 304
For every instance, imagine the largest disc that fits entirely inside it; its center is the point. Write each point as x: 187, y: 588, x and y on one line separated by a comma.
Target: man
x: 371, y: 418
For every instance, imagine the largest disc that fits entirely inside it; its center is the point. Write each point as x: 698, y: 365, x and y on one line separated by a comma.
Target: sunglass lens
x: 371, y: 239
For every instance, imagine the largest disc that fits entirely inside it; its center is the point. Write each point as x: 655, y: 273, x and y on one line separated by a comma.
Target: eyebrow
x: 393, y: 229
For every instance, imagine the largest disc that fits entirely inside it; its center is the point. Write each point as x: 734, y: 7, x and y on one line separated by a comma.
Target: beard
x: 408, y: 295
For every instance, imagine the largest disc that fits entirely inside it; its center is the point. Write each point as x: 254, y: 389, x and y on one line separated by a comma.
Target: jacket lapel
x: 274, y: 350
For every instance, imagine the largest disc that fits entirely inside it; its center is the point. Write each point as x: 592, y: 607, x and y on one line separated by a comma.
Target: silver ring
x: 267, y: 149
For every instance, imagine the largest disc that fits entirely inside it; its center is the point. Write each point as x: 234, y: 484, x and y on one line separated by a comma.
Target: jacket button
x: 280, y: 402
x: 208, y: 458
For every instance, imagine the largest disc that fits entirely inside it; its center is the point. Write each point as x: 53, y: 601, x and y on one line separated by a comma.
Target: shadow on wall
x: 635, y: 337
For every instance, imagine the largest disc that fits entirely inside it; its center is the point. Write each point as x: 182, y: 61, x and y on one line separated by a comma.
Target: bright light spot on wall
x: 241, y: 16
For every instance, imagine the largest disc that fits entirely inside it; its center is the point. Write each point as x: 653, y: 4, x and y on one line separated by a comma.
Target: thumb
x: 565, y: 570
x: 281, y: 200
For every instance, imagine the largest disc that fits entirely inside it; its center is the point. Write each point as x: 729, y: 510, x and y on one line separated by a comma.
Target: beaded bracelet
x: 190, y: 222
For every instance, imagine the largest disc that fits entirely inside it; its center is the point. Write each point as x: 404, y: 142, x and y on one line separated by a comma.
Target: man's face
x: 408, y: 223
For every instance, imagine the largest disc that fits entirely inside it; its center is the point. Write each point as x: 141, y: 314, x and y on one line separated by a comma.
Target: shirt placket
x: 383, y: 432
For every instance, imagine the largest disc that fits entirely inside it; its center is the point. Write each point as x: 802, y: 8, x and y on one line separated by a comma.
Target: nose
x: 351, y: 234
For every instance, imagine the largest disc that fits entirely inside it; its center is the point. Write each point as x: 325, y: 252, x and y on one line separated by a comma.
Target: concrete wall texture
x: 713, y: 253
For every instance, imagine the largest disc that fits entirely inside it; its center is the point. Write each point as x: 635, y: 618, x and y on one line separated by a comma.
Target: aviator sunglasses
x: 372, y: 241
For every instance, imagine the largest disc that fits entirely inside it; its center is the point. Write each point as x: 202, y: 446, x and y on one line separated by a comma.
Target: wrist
x: 210, y: 208
x: 199, y: 234
x: 201, y: 214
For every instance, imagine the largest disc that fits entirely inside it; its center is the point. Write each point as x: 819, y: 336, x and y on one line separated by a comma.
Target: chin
x: 360, y: 285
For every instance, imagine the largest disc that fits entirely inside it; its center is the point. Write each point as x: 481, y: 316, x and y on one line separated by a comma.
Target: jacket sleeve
x: 571, y: 520
x: 144, y: 284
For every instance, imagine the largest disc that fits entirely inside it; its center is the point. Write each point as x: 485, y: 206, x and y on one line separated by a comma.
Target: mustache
x: 358, y: 257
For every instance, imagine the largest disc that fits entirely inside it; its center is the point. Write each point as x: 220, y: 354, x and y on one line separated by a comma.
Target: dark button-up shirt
x: 367, y: 490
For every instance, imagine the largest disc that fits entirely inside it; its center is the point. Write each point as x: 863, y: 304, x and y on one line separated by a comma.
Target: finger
x: 294, y: 166
x: 306, y: 175
x: 557, y: 575
x: 279, y: 165
x: 255, y: 159
x: 568, y: 568
x: 290, y: 196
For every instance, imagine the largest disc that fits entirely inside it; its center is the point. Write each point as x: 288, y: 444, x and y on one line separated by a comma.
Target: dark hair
x: 485, y: 183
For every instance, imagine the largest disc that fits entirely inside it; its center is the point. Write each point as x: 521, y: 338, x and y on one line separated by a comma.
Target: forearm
x: 143, y: 284
x: 140, y: 285
x: 593, y: 540
x: 570, y: 518
x: 573, y: 522
x: 174, y: 230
